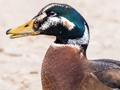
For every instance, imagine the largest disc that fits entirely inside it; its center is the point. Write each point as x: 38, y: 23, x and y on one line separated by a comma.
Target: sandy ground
x: 20, y: 59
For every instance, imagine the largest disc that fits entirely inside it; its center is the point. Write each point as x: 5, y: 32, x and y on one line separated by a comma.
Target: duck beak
x: 23, y: 30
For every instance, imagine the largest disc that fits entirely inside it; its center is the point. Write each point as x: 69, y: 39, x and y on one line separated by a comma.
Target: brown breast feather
x: 65, y: 68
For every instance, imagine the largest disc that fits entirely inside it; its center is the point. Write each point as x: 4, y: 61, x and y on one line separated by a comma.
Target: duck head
x: 59, y: 20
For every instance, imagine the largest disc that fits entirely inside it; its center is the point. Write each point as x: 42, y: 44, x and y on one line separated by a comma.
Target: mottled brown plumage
x: 65, y: 68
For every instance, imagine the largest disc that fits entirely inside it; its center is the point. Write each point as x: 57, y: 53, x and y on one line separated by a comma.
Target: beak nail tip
x: 7, y: 31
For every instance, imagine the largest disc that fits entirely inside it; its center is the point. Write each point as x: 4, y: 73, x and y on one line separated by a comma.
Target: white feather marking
x: 54, y: 45
x: 67, y: 23
x: 43, y: 15
x: 83, y: 40
x: 85, y: 37
x: 54, y: 21
x: 82, y: 54
x: 56, y: 4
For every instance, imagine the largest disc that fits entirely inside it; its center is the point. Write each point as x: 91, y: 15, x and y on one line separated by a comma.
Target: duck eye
x: 51, y: 13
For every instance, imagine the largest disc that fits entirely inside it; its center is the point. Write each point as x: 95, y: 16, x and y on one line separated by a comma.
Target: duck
x: 63, y: 65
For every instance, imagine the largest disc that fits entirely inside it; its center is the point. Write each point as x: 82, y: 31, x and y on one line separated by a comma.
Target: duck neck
x: 76, y: 42
x: 81, y: 41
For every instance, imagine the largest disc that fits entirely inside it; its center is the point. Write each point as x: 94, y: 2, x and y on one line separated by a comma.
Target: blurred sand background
x: 20, y: 59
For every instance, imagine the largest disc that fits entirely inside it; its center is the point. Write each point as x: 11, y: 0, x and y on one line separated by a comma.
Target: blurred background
x: 21, y: 59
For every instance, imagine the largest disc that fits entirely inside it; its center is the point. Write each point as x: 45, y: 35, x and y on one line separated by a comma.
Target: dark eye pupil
x: 50, y: 13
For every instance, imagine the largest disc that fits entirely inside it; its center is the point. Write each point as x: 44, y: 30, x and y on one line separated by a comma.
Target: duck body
x: 107, y: 71
x: 66, y: 69
x: 69, y: 28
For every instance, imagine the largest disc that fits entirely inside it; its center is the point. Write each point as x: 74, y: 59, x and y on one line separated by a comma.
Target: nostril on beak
x: 8, y: 31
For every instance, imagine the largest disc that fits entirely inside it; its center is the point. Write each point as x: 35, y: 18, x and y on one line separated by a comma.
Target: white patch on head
x: 55, y: 4
x: 82, y: 40
x: 50, y: 21
x: 49, y: 6
x: 43, y: 15
x: 67, y: 23
x: 54, y: 21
